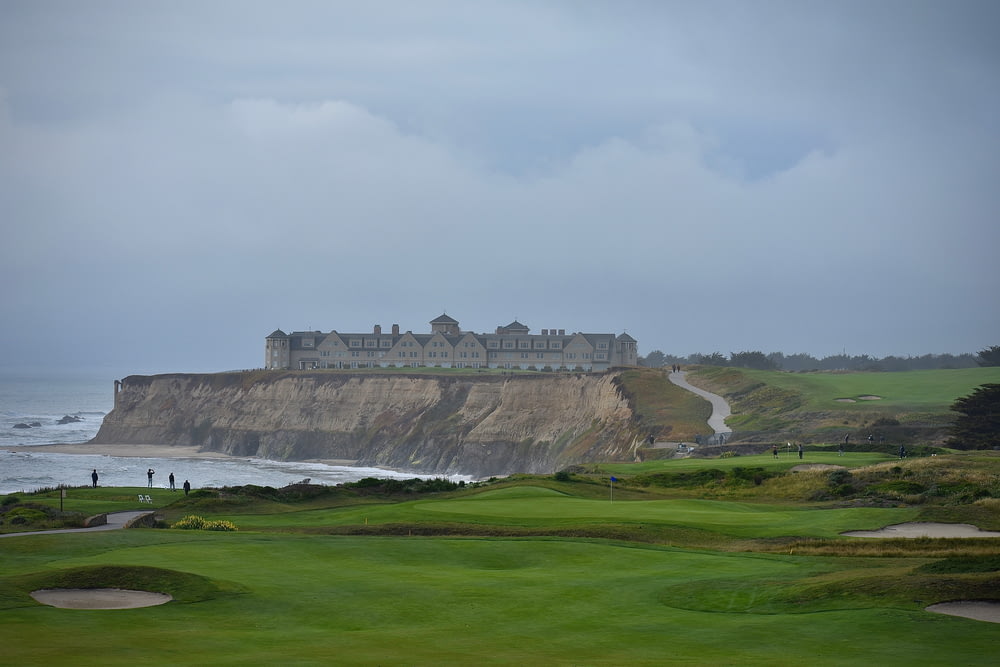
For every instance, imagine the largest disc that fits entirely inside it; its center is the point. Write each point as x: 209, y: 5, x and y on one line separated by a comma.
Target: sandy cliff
x: 477, y: 425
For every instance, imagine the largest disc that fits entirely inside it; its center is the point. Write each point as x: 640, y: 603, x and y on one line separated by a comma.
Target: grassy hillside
x: 662, y: 408
x: 696, y: 561
x: 824, y: 406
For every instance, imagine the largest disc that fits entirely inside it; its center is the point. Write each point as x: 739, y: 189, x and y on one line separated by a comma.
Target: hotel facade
x: 447, y: 346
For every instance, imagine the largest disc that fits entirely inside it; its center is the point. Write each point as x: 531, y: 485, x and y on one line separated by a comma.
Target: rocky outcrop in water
x: 478, y: 425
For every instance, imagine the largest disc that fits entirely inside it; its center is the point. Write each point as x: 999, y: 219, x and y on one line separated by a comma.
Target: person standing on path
x: 149, y: 476
x: 93, y: 477
x: 171, y: 478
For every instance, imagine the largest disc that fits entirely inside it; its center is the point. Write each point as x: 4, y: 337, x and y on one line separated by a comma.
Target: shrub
x: 221, y: 525
x: 194, y: 522
x: 10, y: 500
x: 838, y: 477
x: 190, y: 523
x: 843, y: 490
x: 562, y: 476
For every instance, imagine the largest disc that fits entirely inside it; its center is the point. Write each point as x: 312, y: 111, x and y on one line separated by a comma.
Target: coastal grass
x: 663, y: 409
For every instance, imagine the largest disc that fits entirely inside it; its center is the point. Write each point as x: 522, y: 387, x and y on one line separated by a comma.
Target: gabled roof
x: 278, y: 333
x: 516, y: 326
x: 443, y: 319
x: 625, y: 338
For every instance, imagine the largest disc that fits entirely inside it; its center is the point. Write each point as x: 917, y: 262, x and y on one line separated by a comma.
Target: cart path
x: 720, y: 408
x: 116, y: 520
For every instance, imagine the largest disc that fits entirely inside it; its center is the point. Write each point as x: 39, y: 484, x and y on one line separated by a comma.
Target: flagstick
x: 612, y: 489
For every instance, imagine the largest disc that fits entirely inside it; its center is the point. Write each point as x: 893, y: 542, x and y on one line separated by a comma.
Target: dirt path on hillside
x: 720, y: 408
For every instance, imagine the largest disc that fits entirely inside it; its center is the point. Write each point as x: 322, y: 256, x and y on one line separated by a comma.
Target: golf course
x: 735, y: 559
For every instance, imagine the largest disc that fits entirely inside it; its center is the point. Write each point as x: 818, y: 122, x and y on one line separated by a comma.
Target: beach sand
x: 150, y: 451
x: 136, y: 451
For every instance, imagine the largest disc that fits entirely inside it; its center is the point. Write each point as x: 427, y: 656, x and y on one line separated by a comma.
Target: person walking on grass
x: 800, y: 450
x: 149, y: 476
x: 774, y: 451
x: 171, y: 478
x: 187, y: 487
x: 93, y: 477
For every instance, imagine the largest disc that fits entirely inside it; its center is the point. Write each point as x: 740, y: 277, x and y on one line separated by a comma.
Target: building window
x: 355, y: 342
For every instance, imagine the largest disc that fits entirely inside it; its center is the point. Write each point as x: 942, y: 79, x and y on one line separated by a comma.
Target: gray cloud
x: 179, y: 180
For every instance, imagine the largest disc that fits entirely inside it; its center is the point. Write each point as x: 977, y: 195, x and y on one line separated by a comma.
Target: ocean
x: 41, y: 400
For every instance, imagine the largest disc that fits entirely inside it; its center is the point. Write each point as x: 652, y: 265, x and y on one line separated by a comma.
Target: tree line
x: 777, y: 361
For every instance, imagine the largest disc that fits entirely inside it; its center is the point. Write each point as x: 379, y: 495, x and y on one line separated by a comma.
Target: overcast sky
x: 178, y: 179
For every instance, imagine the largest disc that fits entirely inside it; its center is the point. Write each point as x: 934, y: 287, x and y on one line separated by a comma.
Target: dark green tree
x: 654, y: 359
x: 989, y: 357
x: 757, y: 360
x: 714, y: 359
x: 978, y: 423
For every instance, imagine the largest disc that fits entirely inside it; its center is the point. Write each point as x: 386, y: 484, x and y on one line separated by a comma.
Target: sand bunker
x: 870, y: 397
x: 845, y: 400
x: 925, y: 529
x: 98, y: 598
x: 817, y: 466
x: 980, y: 611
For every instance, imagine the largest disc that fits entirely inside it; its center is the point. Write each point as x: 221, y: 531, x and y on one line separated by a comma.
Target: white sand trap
x: 925, y: 529
x: 845, y: 400
x: 980, y: 611
x: 98, y: 598
x: 817, y: 466
x: 870, y: 398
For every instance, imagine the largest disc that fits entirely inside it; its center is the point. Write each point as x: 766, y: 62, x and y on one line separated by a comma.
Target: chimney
x: 378, y: 329
x: 395, y: 329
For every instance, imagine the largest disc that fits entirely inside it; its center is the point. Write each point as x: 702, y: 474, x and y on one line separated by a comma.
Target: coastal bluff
x: 477, y: 425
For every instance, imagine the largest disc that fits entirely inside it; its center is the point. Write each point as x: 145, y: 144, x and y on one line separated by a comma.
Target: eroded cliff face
x: 481, y: 426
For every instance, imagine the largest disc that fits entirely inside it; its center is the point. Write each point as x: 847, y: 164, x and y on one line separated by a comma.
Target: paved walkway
x: 116, y: 520
x: 720, y: 408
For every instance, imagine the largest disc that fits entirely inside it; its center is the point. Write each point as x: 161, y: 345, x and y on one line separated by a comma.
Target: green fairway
x: 322, y: 600
x: 787, y: 458
x: 923, y: 391
x: 530, y: 570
